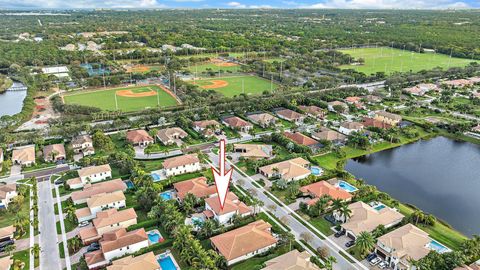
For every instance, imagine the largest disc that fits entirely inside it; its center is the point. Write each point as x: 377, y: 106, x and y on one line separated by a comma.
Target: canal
x: 439, y: 176
x: 11, y: 102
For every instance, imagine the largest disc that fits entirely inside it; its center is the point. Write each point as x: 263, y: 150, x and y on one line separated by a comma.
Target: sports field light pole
x: 243, y: 86
x: 116, y: 101
x: 158, y: 99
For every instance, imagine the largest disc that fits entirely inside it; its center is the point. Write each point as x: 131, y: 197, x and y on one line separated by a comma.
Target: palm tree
x: 70, y: 212
x: 74, y: 244
x: 20, y: 222
x: 337, y: 204
x: 208, y: 228
x: 329, y: 261
x: 345, y: 213
x: 365, y: 242
x: 35, y: 250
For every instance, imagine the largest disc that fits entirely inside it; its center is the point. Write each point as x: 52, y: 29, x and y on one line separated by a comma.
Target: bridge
x: 14, y: 88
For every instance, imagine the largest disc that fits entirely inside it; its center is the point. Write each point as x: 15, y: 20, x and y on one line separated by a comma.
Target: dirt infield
x: 137, y: 69
x: 214, y: 84
x: 130, y: 93
x: 221, y: 63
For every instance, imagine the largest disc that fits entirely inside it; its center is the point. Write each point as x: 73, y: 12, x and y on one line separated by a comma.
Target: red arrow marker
x: 222, y: 178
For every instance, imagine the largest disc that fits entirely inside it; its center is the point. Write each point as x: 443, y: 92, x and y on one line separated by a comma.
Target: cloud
x: 389, y: 4
x: 260, y: 6
x: 236, y: 5
x: 78, y: 4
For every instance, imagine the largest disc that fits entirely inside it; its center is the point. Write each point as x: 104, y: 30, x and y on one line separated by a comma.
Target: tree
x: 70, y: 212
x: 208, y: 227
x: 323, y: 252
x: 365, y: 243
x: 329, y: 261
x: 306, y: 236
x: 35, y: 250
x: 74, y: 244
x: 10, y: 249
x: 189, y: 203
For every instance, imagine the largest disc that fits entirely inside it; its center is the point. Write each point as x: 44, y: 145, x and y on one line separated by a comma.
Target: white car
x: 375, y: 261
x: 383, y: 265
x: 83, y: 224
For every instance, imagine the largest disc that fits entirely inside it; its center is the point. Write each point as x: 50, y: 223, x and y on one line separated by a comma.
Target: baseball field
x: 139, y: 68
x: 236, y: 85
x: 125, y: 99
x: 214, y: 66
x: 389, y: 60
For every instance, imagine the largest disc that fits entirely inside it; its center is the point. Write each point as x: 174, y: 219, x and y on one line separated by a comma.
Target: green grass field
x: 200, y: 68
x: 389, y: 60
x: 253, y: 85
x: 105, y: 99
x: 276, y: 59
x: 211, y: 55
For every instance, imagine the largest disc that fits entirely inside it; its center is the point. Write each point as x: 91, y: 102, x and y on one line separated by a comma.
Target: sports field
x: 210, y: 55
x: 388, y: 60
x: 139, y: 68
x: 127, y: 99
x: 232, y: 86
x: 205, y: 67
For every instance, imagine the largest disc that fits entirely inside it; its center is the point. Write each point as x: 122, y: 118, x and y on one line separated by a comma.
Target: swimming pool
x: 129, y: 184
x: 166, y: 263
x: 316, y: 170
x: 156, y: 177
x: 434, y: 245
x: 197, y: 220
x: 346, y: 186
x: 167, y: 195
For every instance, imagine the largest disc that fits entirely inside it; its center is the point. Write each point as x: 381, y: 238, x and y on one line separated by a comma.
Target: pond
x: 11, y: 102
x: 439, y: 176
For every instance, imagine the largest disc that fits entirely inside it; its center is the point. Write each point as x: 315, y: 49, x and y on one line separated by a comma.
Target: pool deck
x: 169, y: 254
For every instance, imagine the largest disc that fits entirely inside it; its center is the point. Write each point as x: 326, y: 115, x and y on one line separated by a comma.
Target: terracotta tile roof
x: 262, y: 118
x: 389, y: 115
x: 121, y: 238
x: 235, y: 121
x: 337, y: 103
x: 82, y: 139
x: 232, y: 204
x: 113, y: 216
x: 473, y: 266
x: 321, y: 188
x: 313, y: 110
x: 365, y: 219
x: 289, y: 168
x: 7, y: 231
x: 329, y: 135
x: 146, y: 261
x: 370, y: 122
x: 353, y: 99
x: 86, y: 234
x: 88, y: 171
x: 352, y: 125
x: 407, y: 242
x: 197, y: 186
x: 206, y: 123
x: 293, y: 260
x: 74, y: 181
x: 4, y: 189
x: 82, y: 212
x: 94, y: 257
x: 255, y: 150
x: 138, y: 136
x: 168, y: 134
x: 301, y: 139
x: 6, y: 263
x: 58, y: 148
x: 105, y: 198
x: 289, y: 114
x: 24, y: 154
x: 244, y: 240
x: 180, y: 161
x: 102, y: 187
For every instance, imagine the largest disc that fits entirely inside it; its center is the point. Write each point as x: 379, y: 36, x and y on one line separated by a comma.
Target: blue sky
x: 354, y: 4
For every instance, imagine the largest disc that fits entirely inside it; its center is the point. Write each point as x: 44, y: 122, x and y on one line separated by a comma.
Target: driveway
x: 49, y: 255
x: 15, y: 170
x: 296, y: 205
x: 341, y: 241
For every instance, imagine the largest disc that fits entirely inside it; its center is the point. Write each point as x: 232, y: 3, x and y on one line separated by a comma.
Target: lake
x: 440, y: 176
x: 11, y: 102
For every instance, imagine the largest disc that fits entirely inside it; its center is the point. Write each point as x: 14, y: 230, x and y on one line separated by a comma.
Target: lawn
x: 105, y: 99
x: 276, y: 59
x: 210, y: 55
x: 207, y: 67
x: 251, y: 85
x: 389, y: 60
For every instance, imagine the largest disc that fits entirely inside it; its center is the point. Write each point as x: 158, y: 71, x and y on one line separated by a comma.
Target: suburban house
x: 476, y: 128
x: 289, y: 170
x: 348, y: 127
x: 89, y: 190
x: 6, y: 263
x: 244, y: 242
x: 7, y: 193
x: 139, y: 138
x: 206, y: 127
x: 232, y: 207
x: 173, y: 135
x: 107, y: 221
x: 116, y: 244
x: 304, y: 140
x: 313, y: 111
x: 421, y: 89
x: 237, y: 123
x: 355, y: 101
x: 321, y: 188
x: 7, y: 233
x: 372, y: 99
x: 181, y: 164
x: 24, y: 155
x: 400, y: 246
x: 83, y: 144
x: 54, y: 153
x: 293, y: 260
x: 99, y: 203
x: 289, y: 115
x: 90, y: 174
x: 326, y: 134
x: 254, y: 151
x: 196, y: 186
x: 365, y: 218
x: 458, y: 83
x: 388, y: 118
x: 473, y: 266
x: 263, y: 119
x: 371, y: 122
x: 332, y: 105
x: 146, y: 261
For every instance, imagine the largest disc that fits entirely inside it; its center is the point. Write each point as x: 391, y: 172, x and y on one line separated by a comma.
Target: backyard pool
x: 129, y: 184
x: 434, y: 245
x: 316, y: 170
x: 167, y: 195
x: 156, y: 177
x: 346, y: 186
x: 154, y: 237
x: 197, y: 220
x: 166, y: 263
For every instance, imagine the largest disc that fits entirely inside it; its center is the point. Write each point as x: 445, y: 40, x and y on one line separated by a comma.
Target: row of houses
x: 423, y: 88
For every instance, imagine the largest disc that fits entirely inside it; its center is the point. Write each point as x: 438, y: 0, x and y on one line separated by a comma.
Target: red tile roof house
x: 318, y: 189
x: 196, y: 186
x: 370, y: 122
x: 139, y: 138
x: 289, y: 170
x: 232, y: 207
x: 116, y: 244
x: 237, y: 123
x: 291, y: 116
x: 173, y: 135
x: 181, y: 165
x: 263, y: 119
x: 54, y: 153
x: 206, y: 127
x: 313, y: 111
x: 329, y: 135
x: 89, y: 190
x: 244, y: 242
x: 304, y: 140
x: 333, y: 104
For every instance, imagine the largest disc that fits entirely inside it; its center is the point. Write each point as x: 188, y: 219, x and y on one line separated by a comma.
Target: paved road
x: 45, y: 174
x: 49, y: 255
x: 297, y: 227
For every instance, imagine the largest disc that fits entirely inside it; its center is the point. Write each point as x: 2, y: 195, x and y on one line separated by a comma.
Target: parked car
x: 59, y: 182
x: 375, y: 261
x: 93, y: 247
x: 371, y: 256
x: 383, y: 265
x: 350, y: 243
x: 83, y: 224
x: 5, y: 244
x: 339, y: 233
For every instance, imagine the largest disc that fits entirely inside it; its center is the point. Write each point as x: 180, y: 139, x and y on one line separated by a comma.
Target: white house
x: 348, y: 128
x: 7, y: 193
x: 232, y: 207
x: 181, y: 165
x: 90, y: 174
x: 100, y: 202
x: 83, y: 144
